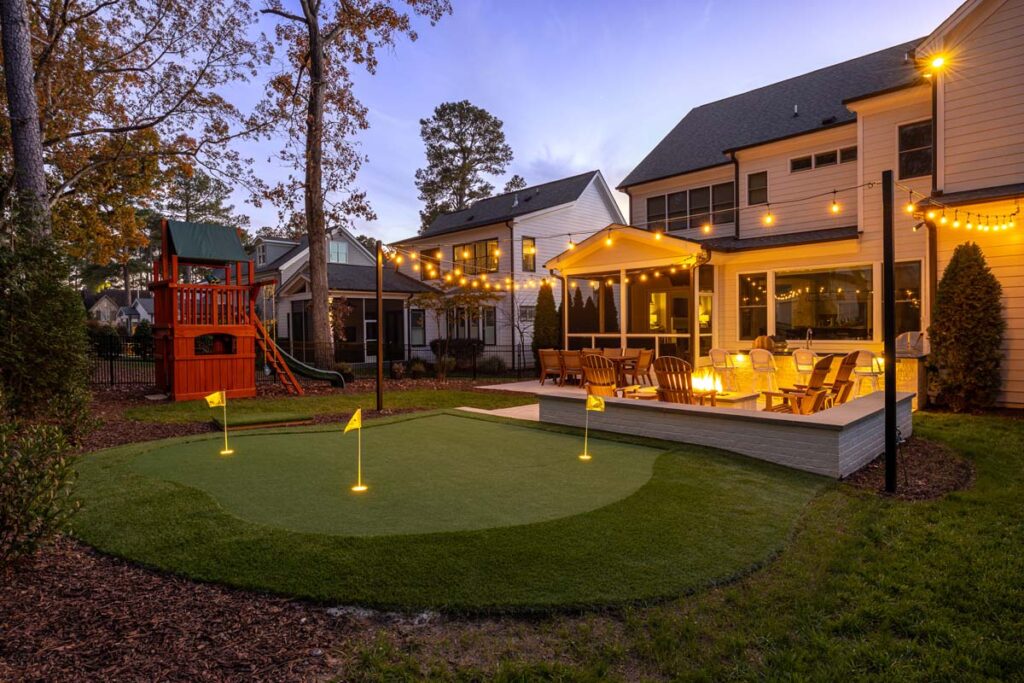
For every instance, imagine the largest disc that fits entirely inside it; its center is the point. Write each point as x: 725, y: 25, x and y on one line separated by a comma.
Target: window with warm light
x: 753, y: 305
x: 529, y: 255
x: 691, y: 209
x: 908, y: 296
x: 915, y: 149
x: 834, y: 303
x: 476, y: 257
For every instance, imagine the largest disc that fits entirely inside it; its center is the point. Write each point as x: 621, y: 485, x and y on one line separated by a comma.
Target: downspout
x: 736, y: 194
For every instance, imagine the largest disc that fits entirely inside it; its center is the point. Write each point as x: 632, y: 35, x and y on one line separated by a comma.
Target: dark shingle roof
x: 788, y: 239
x: 118, y: 296
x: 273, y: 265
x: 702, y: 137
x: 511, y: 204
x: 344, y: 277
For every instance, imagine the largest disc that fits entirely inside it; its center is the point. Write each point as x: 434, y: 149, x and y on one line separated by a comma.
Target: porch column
x: 565, y: 312
x: 622, y: 308
x: 694, y: 317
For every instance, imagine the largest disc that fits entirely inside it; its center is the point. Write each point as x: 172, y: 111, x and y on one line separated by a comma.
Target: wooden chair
x: 802, y: 400
x: 598, y: 374
x: 841, y: 386
x: 675, y: 382
x: 613, y: 352
x: 571, y: 368
x: 550, y: 364
x: 591, y: 351
x: 642, y: 369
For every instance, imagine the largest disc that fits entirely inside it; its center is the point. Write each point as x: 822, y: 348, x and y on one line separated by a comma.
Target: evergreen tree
x: 516, y: 182
x: 577, y: 321
x: 611, y: 313
x: 967, y: 332
x: 545, y: 321
x: 590, y: 316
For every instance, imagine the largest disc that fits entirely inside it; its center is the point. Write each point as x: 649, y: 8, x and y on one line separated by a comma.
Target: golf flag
x: 216, y: 399
x: 219, y: 399
x: 595, y: 403
x: 356, y: 421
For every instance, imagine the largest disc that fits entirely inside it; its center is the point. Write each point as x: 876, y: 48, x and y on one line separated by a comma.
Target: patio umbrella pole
x: 889, y: 329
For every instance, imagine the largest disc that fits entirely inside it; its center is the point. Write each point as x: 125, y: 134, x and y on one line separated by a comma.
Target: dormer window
x: 261, y: 254
x: 337, y: 251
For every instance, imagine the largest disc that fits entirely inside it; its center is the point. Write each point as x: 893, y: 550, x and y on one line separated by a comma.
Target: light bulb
x: 657, y: 235
x: 706, y: 228
x: 942, y: 219
x: 608, y: 241
x: 768, y: 218
x: 835, y: 207
x: 910, y: 207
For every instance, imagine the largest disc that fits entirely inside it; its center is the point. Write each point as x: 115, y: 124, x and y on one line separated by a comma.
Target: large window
x: 490, y: 321
x: 529, y: 255
x: 757, y: 188
x: 476, y: 257
x: 753, y: 310
x: 692, y: 208
x: 417, y: 327
x: 832, y: 304
x: 337, y: 251
x: 915, y: 149
x: 908, y: 296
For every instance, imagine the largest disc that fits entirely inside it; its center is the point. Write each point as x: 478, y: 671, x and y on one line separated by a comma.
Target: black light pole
x: 380, y: 326
x: 889, y: 329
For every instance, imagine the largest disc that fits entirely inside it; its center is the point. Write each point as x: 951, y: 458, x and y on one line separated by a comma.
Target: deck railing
x: 211, y: 304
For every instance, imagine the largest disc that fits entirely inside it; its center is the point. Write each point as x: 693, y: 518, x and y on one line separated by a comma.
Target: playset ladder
x: 274, y: 359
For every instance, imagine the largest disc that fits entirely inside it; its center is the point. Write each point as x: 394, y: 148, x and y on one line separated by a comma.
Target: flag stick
x: 359, y: 487
x: 227, y: 450
x: 585, y: 455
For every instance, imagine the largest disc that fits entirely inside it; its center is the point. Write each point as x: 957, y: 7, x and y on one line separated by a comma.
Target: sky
x: 590, y: 84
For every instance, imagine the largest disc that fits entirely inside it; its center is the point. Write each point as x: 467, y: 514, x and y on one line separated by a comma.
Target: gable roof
x: 285, y: 257
x: 349, y: 278
x: 511, y: 205
x: 118, y: 297
x: 703, y: 137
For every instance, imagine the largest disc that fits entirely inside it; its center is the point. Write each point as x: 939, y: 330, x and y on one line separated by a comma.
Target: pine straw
x: 924, y: 470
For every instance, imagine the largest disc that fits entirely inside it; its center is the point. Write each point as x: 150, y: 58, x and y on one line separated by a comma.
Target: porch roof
x: 630, y: 248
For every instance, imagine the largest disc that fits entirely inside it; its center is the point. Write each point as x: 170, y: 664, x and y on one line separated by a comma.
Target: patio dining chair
x: 591, y: 351
x: 803, y: 363
x: 571, y: 368
x: 612, y: 352
x: 641, y: 372
x: 675, y: 382
x: 724, y: 369
x: 868, y: 368
x: 762, y: 362
x: 599, y: 375
x: 550, y: 365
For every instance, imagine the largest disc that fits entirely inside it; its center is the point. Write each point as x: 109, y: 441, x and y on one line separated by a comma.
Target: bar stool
x: 803, y: 363
x: 722, y: 366
x: 762, y: 362
x: 869, y: 367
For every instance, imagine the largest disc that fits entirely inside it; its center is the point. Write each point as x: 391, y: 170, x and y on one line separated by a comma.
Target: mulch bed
x: 925, y: 470
x: 70, y: 614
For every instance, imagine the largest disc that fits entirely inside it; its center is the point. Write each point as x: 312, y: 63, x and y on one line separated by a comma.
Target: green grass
x: 868, y: 589
x: 427, y: 399
x: 435, y: 473
x: 703, y: 517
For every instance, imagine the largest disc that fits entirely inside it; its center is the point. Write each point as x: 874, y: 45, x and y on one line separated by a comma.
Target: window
x: 826, y: 158
x: 757, y: 188
x: 417, y: 327
x: 261, y: 254
x: 214, y: 345
x: 656, y: 213
x: 753, y: 302
x: 677, y: 211
x: 337, y: 251
x: 476, y: 257
x: 526, y: 313
x: 832, y: 303
x: 700, y: 204
x: 908, y: 296
x: 723, y: 197
x: 915, y: 155
x: 848, y: 154
x: 430, y: 265
x: 801, y: 164
x: 490, y: 319
x: 529, y: 255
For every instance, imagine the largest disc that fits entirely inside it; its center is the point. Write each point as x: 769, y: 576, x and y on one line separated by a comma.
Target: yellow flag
x: 356, y: 421
x: 595, y: 403
x: 216, y: 399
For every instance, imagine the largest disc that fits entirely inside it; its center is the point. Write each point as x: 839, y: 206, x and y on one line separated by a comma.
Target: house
x: 118, y: 307
x: 761, y: 214
x: 501, y: 244
x: 351, y: 275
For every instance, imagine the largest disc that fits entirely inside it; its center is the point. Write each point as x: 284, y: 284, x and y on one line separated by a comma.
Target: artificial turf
x: 435, y: 473
x: 704, y: 516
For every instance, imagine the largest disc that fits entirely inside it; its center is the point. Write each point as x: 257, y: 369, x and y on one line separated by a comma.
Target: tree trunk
x: 315, y: 225
x: 26, y: 139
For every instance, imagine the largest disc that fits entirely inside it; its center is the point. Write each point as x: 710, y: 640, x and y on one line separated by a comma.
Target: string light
x: 956, y: 219
x: 768, y: 217
x: 910, y: 207
x: 835, y: 203
x: 608, y: 240
x: 657, y: 234
x: 706, y: 228
x: 942, y: 219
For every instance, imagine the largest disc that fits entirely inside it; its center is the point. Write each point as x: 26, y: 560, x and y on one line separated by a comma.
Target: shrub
x: 417, y: 368
x: 462, y: 351
x: 492, y: 365
x: 398, y: 370
x: 36, y: 478
x: 143, y: 340
x: 966, y: 333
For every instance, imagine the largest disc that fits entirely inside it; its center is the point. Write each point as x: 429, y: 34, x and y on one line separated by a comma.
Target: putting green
x: 427, y: 474
x: 464, y: 513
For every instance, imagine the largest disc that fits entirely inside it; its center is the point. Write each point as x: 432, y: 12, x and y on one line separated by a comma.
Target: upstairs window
x: 656, y: 212
x: 261, y: 254
x: 476, y: 257
x: 692, y: 208
x: 830, y: 158
x: 700, y: 204
x: 337, y: 251
x: 848, y: 154
x: 757, y: 188
x: 915, y: 155
x: 723, y: 197
x: 801, y: 164
x: 529, y: 255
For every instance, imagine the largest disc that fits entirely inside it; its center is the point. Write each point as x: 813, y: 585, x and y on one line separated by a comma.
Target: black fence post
x: 110, y: 357
x: 474, y: 366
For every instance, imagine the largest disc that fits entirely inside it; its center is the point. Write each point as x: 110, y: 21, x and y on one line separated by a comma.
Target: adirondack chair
x: 675, y: 382
x: 598, y: 374
x: 550, y: 365
x: 841, y: 387
x: 802, y: 400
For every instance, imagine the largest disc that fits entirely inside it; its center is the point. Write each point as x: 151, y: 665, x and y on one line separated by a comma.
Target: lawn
x: 427, y: 399
x: 464, y: 513
x: 868, y: 589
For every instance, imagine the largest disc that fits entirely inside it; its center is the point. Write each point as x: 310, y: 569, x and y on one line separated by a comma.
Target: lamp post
x: 889, y: 329
x: 380, y: 326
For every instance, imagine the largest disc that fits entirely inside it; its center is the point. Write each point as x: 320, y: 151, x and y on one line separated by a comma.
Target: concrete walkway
x: 528, y: 412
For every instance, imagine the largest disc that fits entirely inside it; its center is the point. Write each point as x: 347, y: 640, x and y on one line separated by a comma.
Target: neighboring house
x: 506, y: 240
x: 118, y: 307
x: 351, y: 276
x: 954, y: 134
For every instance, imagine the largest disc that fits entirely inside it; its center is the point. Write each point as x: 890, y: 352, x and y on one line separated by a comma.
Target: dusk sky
x: 593, y: 85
